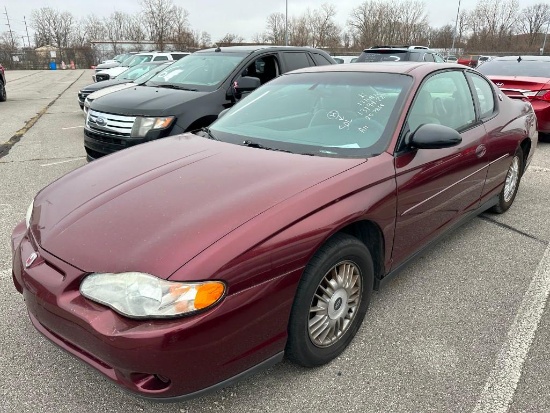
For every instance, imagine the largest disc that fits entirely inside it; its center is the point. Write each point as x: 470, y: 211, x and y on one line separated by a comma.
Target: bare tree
x: 532, y: 20
x: 298, y: 31
x: 230, y: 38
x: 324, y: 32
x: 275, y: 28
x: 94, y: 28
x: 135, y: 31
x: 205, y: 40
x: 52, y: 26
x: 182, y: 37
x: 159, y: 18
x: 115, y: 29
x: 442, y: 37
x: 493, y: 23
x: 389, y: 22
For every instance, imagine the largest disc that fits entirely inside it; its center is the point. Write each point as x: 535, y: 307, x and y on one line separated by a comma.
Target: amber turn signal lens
x: 208, y: 293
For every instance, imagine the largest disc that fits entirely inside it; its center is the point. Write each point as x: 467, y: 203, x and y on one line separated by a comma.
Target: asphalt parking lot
x: 464, y: 328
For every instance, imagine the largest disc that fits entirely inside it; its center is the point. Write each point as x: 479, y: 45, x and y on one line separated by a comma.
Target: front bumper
x: 166, y: 359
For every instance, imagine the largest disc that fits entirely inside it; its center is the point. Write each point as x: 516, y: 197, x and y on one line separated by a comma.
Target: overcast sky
x: 218, y: 17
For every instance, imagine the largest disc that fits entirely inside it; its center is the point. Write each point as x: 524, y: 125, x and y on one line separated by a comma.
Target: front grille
x: 83, y: 94
x: 109, y: 124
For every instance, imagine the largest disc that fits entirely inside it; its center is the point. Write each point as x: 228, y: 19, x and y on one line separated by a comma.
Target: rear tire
x: 511, y: 184
x: 331, y: 301
x: 3, y: 94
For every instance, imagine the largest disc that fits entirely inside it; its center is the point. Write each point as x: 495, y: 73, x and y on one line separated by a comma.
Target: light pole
x: 544, y: 42
x: 286, y: 22
x: 456, y: 25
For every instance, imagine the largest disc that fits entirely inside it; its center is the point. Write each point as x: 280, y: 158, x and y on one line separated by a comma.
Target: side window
x: 321, y: 60
x: 177, y: 56
x: 438, y: 59
x: 264, y: 68
x: 159, y: 58
x: 295, y: 60
x: 443, y: 99
x: 485, y: 96
x: 428, y: 57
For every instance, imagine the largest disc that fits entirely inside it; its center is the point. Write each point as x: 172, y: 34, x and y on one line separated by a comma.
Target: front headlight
x: 139, y: 295
x: 28, y: 215
x: 143, y: 125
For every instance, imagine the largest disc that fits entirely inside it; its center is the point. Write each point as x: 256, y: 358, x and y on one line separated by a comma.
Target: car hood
x: 154, y: 207
x: 146, y: 101
x: 105, y: 91
x: 101, y: 85
x: 115, y: 71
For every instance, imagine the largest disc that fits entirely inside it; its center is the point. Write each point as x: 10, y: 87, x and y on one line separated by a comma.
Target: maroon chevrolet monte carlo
x: 178, y: 266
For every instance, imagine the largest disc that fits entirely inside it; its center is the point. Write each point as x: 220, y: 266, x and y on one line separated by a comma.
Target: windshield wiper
x: 252, y: 144
x: 172, y: 86
x: 207, y: 133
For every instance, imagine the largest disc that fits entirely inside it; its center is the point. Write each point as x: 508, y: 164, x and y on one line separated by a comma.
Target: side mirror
x: 433, y: 136
x: 248, y: 83
x: 244, y: 84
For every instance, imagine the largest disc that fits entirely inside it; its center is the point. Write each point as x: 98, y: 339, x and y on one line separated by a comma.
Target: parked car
x: 483, y: 59
x: 135, y: 60
x: 182, y: 265
x: 3, y: 94
x: 345, y: 59
x: 121, y: 86
x: 451, y: 59
x: 116, y: 61
x: 468, y: 60
x: 399, y: 53
x: 188, y: 95
x: 129, y: 75
x: 524, y: 77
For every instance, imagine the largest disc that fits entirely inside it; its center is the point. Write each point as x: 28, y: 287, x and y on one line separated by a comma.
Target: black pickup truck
x: 188, y: 95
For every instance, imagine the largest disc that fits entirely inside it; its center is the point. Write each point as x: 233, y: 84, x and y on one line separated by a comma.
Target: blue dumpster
x: 53, y: 66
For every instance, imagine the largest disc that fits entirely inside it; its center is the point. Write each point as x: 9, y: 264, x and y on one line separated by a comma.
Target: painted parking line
x: 73, y: 127
x: 60, y: 162
x: 501, y: 385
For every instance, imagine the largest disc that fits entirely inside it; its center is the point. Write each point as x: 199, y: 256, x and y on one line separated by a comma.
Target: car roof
x: 253, y: 48
x: 528, y: 57
x: 406, y: 67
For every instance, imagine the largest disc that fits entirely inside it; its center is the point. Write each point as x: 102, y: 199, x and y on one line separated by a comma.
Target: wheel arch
x: 370, y: 234
x: 201, y: 123
x: 525, y: 146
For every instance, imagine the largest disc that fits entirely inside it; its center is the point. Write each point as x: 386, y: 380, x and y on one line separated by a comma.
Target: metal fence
x: 38, y: 59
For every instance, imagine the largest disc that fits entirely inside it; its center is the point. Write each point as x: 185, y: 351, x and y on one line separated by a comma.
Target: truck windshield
x: 199, y: 71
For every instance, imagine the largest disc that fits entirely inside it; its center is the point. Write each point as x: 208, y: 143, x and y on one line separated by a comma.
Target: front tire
x: 511, y: 184
x: 331, y: 301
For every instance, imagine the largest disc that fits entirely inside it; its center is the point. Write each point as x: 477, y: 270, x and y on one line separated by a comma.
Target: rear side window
x: 159, y: 58
x: 321, y: 60
x: 428, y: 57
x: 177, y: 56
x: 296, y: 60
x: 485, y: 96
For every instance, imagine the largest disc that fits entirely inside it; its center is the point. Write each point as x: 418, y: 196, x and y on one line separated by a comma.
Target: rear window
x: 388, y: 55
x: 527, y: 68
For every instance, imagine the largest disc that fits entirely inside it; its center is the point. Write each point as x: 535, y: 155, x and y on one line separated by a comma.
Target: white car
x: 136, y: 60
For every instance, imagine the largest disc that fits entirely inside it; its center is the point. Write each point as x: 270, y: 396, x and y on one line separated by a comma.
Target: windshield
x: 134, y: 72
x: 526, y: 68
x: 199, y: 71
x: 137, y: 59
x: 324, y: 114
x: 153, y: 70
